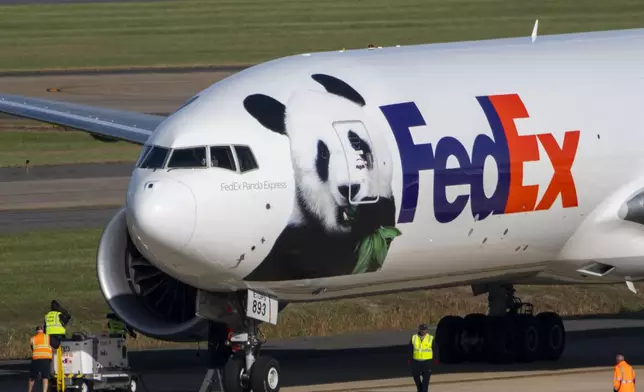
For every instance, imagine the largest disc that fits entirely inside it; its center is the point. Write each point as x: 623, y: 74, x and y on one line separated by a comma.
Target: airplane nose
x: 164, y: 211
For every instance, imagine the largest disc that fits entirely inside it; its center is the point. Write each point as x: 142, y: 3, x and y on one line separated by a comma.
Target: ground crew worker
x: 55, y: 322
x: 117, y: 327
x: 422, y: 355
x: 623, y: 376
x: 41, y: 356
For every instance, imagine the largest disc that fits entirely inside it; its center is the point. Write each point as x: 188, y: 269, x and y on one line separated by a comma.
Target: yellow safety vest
x: 422, y: 348
x: 116, y: 326
x: 53, y: 326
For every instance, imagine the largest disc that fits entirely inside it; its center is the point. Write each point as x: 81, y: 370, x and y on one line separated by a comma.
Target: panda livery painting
x: 344, y: 212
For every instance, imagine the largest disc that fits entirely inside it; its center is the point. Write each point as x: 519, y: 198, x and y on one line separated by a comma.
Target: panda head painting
x: 344, y: 215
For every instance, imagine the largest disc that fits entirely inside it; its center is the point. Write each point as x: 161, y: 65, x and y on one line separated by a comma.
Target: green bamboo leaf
x: 380, y: 248
x: 389, y: 232
x: 364, y: 255
x: 352, y: 212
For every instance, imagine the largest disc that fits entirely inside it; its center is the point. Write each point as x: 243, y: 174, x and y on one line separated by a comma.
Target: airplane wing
x: 108, y: 123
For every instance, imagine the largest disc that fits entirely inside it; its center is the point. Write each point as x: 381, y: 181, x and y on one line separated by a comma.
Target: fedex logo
x: 509, y: 149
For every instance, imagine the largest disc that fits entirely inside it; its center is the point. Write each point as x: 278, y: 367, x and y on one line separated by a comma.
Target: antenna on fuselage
x: 534, y: 30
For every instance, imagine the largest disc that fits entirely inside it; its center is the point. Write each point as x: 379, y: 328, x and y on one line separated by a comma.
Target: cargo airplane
x: 351, y: 173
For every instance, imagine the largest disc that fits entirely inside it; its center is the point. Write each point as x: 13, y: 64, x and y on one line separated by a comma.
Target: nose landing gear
x: 247, y: 370
x: 244, y: 369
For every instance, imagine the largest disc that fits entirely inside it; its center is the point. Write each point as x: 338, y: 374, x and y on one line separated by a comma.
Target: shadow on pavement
x: 308, y: 367
x: 183, y: 370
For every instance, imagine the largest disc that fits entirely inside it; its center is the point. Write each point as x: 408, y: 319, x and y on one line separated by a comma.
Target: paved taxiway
x: 61, y: 197
x: 159, y: 91
x: 378, y: 362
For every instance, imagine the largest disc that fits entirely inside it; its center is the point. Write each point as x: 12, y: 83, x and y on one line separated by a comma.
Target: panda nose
x: 344, y: 190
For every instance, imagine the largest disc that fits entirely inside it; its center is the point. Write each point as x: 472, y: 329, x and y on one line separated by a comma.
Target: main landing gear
x: 509, y: 333
x: 238, y: 352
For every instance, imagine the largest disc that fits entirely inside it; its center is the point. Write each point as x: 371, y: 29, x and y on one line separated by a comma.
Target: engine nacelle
x: 150, y: 301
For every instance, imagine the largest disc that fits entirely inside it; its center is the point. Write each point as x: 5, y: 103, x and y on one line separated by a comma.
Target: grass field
x: 189, y: 32
x: 43, y: 145
x: 40, y: 266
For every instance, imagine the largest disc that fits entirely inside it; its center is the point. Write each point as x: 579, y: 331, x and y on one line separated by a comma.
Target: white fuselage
x: 211, y: 227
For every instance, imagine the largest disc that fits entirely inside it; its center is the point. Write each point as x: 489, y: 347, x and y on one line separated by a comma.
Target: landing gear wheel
x: 133, y: 385
x: 448, y: 338
x: 552, y: 336
x: 499, y: 339
x: 232, y: 377
x: 84, y: 385
x: 474, y: 326
x: 526, y: 338
x: 264, y: 375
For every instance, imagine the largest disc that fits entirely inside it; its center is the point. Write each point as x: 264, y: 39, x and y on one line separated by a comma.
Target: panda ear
x: 338, y: 87
x: 268, y: 111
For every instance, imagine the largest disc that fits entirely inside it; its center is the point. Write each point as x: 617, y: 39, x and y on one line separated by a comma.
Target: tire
x: 499, y: 341
x: 84, y: 385
x: 232, y: 375
x: 448, y: 339
x: 264, y: 375
x: 527, y: 338
x: 474, y: 326
x: 552, y: 336
x: 133, y: 385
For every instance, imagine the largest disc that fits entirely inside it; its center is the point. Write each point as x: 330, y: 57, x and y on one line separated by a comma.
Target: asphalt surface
x: 378, y: 361
x: 123, y: 70
x: 592, y: 380
x: 158, y: 91
x: 63, y: 193
x: 52, y: 219
x: 40, y: 173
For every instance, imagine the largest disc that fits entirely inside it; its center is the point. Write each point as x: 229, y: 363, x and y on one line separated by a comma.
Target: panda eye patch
x: 322, y: 161
x: 358, y: 144
x: 323, y: 150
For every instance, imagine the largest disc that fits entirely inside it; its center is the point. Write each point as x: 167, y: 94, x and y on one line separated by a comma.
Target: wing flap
x: 110, y: 123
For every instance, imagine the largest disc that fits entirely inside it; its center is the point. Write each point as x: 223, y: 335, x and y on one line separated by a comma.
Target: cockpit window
x: 143, y: 154
x: 188, y: 158
x: 155, y: 158
x: 246, y: 158
x: 222, y: 157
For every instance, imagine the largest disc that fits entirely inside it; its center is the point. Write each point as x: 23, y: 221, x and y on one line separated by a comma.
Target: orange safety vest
x: 41, y: 347
x: 624, y: 377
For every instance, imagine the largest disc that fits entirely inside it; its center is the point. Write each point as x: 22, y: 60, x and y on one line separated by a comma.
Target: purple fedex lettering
x: 416, y: 157
x: 497, y: 148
